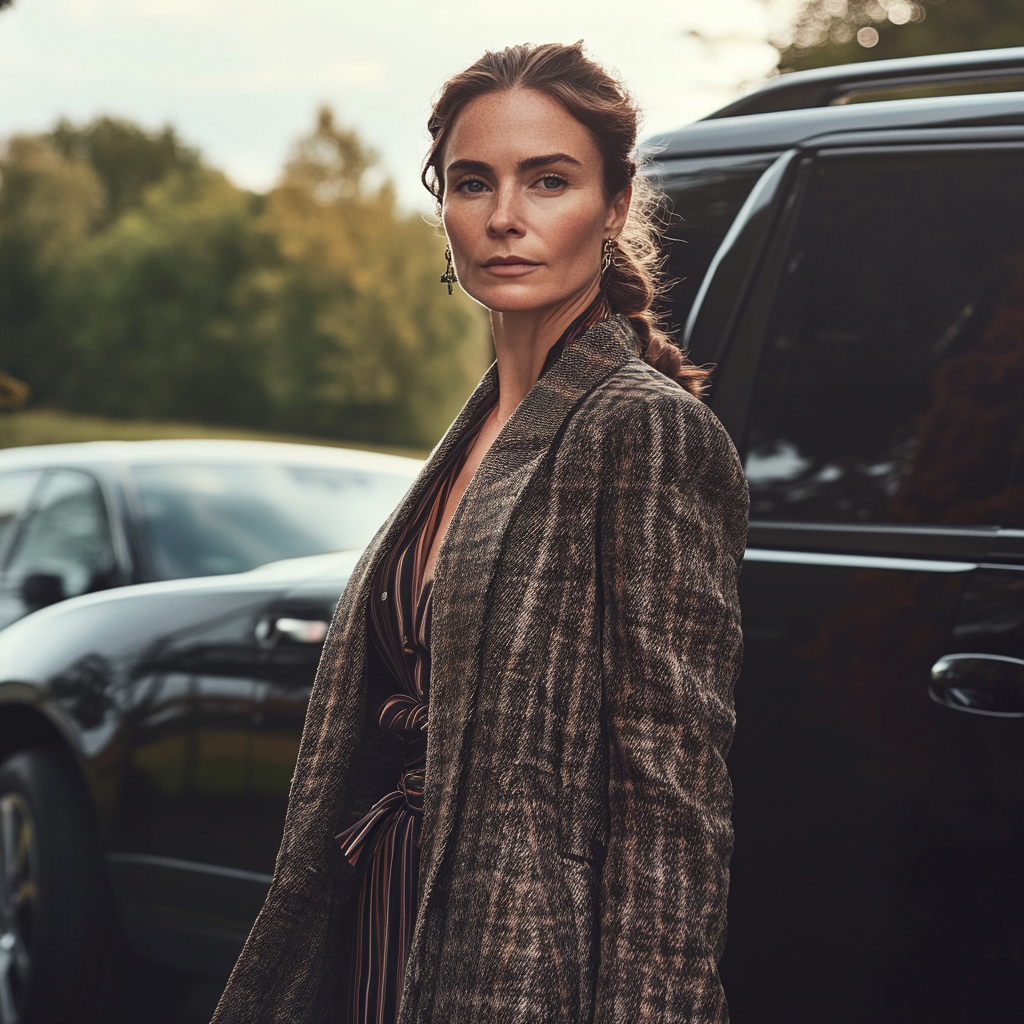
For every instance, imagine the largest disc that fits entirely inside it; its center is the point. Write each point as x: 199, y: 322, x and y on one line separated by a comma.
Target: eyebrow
x: 524, y: 165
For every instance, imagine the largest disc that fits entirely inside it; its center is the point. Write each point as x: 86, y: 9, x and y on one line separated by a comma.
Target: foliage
x: 137, y: 282
x: 155, y: 311
x: 49, y: 207
x: 827, y: 32
x: 126, y: 158
x: 370, y: 332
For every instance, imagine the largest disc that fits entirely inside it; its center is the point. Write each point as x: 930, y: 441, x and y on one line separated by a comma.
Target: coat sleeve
x: 670, y: 541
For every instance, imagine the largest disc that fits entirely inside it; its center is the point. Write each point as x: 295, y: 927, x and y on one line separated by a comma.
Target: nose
x: 506, y: 215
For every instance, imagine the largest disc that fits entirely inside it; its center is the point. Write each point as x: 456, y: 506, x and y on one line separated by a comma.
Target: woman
x: 540, y: 644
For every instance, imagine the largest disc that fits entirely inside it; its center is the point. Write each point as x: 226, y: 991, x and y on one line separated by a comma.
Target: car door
x: 187, y: 819
x: 874, y: 381
x: 290, y: 634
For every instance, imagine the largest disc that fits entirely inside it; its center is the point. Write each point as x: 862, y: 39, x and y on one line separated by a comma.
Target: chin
x: 511, y: 298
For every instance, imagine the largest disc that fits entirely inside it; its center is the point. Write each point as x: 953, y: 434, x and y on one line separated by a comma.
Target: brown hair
x: 604, y: 107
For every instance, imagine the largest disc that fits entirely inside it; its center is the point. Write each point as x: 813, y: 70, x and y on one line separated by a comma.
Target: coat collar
x: 468, y: 557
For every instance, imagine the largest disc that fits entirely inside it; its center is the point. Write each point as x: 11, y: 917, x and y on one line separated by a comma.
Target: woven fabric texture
x: 585, y: 643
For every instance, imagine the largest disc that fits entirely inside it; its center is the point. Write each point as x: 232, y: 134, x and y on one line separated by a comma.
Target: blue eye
x: 473, y: 185
x: 552, y: 181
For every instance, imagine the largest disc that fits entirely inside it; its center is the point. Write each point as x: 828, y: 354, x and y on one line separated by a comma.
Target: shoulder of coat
x: 637, y: 389
x: 637, y: 403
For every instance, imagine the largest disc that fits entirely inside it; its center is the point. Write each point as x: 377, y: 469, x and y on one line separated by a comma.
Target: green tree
x: 49, y: 207
x: 828, y: 32
x: 127, y: 159
x: 137, y: 282
x: 56, y: 192
x: 157, y: 310
x: 361, y: 340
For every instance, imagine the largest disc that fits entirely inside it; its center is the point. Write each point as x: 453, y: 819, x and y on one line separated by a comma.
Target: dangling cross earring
x: 448, y: 277
x: 609, y: 248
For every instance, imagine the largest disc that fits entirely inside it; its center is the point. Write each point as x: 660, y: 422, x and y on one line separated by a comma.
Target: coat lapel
x: 330, y: 740
x: 465, y: 568
x: 393, y: 526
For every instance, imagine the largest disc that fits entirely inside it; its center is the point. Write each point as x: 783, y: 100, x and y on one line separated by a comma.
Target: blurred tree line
x: 827, y: 32
x: 138, y: 282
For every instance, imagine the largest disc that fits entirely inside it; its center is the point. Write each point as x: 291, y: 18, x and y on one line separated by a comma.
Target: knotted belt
x: 406, y: 716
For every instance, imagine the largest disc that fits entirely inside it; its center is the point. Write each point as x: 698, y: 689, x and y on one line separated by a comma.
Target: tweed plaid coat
x: 585, y: 641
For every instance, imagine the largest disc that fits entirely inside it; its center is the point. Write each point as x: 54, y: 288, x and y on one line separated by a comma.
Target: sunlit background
x: 211, y: 221
x: 240, y: 78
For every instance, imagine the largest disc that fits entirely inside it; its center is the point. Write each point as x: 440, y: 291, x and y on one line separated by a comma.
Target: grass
x: 50, y: 426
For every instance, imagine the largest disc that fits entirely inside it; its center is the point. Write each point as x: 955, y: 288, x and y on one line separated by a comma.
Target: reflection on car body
x: 76, y: 519
x: 186, y: 701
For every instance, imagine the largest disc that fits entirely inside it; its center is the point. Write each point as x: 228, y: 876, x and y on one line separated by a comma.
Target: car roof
x: 835, y: 84
x: 94, y: 453
x: 788, y: 128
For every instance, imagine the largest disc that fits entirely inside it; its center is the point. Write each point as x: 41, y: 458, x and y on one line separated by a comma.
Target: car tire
x: 53, y: 906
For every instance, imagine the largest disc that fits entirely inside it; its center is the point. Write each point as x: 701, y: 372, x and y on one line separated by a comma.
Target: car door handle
x: 982, y: 684
x: 302, y: 631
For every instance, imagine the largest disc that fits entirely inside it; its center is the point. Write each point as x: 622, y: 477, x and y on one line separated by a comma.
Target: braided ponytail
x: 634, y: 281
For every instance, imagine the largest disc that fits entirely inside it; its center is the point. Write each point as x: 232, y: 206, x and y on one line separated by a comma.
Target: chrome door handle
x: 982, y: 684
x: 302, y: 631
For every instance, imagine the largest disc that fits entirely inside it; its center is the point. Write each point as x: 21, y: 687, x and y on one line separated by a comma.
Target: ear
x: 615, y: 219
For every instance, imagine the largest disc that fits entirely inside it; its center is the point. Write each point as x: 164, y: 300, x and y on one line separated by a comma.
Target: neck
x: 522, y: 340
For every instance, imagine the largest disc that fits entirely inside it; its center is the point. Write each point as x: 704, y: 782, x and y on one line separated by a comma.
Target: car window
x: 15, y: 490
x: 704, y: 195
x: 202, y: 520
x: 890, y: 388
x: 64, y: 548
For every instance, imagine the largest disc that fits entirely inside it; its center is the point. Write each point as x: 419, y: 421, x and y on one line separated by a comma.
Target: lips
x: 509, y: 266
x: 509, y: 261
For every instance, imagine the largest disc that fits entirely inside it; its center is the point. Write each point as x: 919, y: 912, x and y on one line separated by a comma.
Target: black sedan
x: 147, y: 740
x: 79, y: 518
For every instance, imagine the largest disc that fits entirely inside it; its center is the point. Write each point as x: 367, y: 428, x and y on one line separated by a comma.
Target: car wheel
x: 53, y: 920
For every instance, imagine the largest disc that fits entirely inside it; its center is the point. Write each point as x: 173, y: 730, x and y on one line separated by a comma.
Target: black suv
x: 864, y: 302
x: 856, y: 270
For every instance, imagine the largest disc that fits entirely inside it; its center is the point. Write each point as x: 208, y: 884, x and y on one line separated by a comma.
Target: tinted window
x: 705, y: 196
x: 202, y: 520
x: 15, y: 490
x: 66, y: 538
x: 892, y: 379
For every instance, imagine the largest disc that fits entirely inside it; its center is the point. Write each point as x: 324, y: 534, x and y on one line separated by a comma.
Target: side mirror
x: 42, y: 589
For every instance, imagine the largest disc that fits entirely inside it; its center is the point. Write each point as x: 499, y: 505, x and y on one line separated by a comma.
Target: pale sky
x: 241, y: 79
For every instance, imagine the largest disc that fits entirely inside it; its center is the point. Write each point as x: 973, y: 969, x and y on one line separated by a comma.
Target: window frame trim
x: 122, y: 561
x: 744, y: 343
x: 19, y: 520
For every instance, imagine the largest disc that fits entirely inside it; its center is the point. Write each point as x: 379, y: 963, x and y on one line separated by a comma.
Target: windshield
x: 204, y: 520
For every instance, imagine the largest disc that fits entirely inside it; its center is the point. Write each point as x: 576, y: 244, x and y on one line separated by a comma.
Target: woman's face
x: 524, y: 207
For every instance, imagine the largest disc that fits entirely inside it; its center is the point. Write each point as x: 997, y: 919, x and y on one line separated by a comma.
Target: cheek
x: 465, y: 224
x: 573, y: 231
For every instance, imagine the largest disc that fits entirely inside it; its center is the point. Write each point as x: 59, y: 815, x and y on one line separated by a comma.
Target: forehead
x: 506, y: 127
